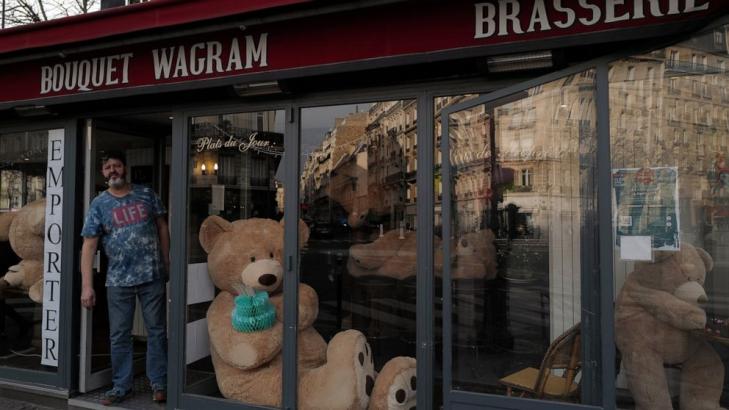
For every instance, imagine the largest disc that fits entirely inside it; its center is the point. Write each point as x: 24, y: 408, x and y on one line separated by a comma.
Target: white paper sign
x: 198, y: 341
x: 52, y: 249
x: 635, y: 248
x: 199, y: 286
x: 218, y: 203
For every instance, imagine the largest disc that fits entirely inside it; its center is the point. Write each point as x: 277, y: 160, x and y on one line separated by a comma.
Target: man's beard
x: 116, y: 181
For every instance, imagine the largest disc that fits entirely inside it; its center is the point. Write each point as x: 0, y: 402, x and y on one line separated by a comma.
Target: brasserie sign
x: 509, y: 17
x: 176, y: 62
x: 303, y: 46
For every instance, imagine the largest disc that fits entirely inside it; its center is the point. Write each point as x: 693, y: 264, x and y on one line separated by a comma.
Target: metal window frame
x: 292, y: 138
x: 177, y: 366
x: 60, y: 382
x: 596, y: 314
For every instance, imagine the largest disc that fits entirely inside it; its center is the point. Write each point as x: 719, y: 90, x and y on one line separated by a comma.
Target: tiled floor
x: 140, y: 400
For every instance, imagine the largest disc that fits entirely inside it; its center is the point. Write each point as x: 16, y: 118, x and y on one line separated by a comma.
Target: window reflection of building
x: 366, y: 164
x: 22, y: 168
x: 516, y: 170
x: 536, y: 149
x: 675, y: 112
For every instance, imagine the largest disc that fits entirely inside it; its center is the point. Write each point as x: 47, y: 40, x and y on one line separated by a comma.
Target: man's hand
x: 88, y: 297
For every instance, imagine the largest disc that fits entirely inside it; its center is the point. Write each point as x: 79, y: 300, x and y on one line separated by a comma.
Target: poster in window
x: 646, y: 204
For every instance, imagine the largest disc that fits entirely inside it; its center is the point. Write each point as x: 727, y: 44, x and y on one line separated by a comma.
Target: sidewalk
x: 12, y: 404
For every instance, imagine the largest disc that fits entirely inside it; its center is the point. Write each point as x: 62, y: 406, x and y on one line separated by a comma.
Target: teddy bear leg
x: 395, y: 385
x: 702, y: 378
x: 312, y: 349
x: 261, y: 386
x: 346, y: 381
x: 647, y: 380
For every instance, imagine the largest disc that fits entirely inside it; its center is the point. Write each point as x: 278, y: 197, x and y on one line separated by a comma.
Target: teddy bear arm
x: 308, y: 306
x: 668, y: 308
x: 239, y: 349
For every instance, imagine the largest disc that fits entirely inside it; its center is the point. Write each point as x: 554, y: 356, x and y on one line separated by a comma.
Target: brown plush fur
x: 25, y: 232
x: 248, y: 366
x: 6, y: 218
x: 474, y: 256
x: 395, y: 386
x: 653, y: 327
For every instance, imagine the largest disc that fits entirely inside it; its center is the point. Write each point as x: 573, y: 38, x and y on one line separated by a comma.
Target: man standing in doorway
x: 130, y: 220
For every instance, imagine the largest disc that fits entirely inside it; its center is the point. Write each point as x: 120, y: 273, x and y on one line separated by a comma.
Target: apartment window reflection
x: 358, y: 199
x: 515, y: 257
x: 671, y: 208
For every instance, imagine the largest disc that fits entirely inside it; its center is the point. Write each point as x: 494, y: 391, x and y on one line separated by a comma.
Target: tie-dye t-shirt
x: 128, y: 230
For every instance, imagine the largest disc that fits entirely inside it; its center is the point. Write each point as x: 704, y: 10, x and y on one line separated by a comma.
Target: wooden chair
x: 564, y: 353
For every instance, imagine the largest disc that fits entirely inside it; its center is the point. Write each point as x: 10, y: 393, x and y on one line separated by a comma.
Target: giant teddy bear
x: 245, y: 259
x: 656, y: 316
x: 394, y: 255
x: 24, y: 230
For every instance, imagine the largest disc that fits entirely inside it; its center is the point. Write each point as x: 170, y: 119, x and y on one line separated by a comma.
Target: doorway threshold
x: 141, y: 399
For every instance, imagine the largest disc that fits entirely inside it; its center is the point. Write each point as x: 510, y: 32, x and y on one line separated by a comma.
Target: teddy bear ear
x: 303, y: 231
x: 211, y: 229
x: 708, y: 260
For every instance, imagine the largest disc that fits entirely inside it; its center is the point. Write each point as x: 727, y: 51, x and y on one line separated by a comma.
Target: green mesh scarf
x: 253, y: 313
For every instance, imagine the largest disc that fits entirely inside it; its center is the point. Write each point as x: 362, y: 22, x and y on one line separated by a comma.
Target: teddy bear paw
x: 364, y: 366
x: 395, y: 388
x: 696, y: 319
x: 402, y: 392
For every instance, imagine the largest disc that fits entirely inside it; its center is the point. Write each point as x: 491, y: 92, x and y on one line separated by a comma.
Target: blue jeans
x: 122, y: 302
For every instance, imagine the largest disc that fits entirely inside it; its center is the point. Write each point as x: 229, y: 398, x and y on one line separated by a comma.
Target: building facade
x: 494, y: 189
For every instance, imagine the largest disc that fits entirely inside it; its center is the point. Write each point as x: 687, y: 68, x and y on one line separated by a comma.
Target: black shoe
x: 159, y: 395
x: 115, y: 396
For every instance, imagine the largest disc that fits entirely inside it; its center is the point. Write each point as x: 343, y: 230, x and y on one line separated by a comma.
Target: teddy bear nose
x: 267, y: 279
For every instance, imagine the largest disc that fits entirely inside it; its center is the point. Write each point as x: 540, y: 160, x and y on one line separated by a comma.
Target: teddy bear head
x: 356, y: 219
x: 465, y: 248
x: 371, y: 256
x: 26, y: 232
x: 681, y: 273
x: 245, y: 254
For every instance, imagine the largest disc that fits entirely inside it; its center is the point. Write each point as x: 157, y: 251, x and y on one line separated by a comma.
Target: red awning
x: 121, y: 20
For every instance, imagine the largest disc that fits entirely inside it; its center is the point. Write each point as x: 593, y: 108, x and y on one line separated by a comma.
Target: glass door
x: 145, y: 142
x: 516, y: 187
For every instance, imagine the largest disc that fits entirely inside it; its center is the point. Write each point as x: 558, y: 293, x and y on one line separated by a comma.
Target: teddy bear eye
x: 271, y: 255
x: 253, y: 258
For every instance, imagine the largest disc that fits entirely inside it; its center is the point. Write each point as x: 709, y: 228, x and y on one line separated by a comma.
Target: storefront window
x: 669, y: 128
x: 517, y: 206
x: 235, y: 246
x: 23, y: 166
x: 358, y: 199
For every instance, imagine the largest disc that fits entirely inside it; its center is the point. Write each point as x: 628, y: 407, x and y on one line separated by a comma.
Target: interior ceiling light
x: 520, y: 62
x: 31, y: 110
x: 263, y: 88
